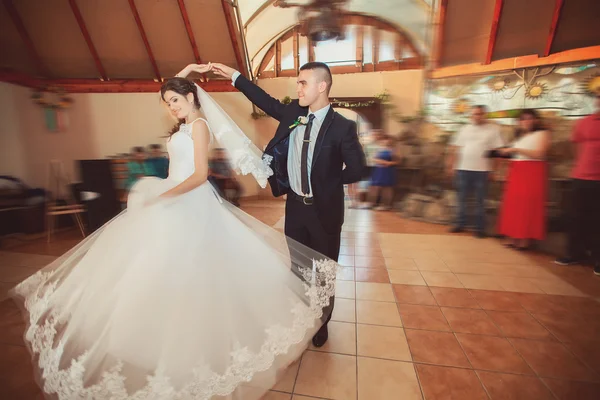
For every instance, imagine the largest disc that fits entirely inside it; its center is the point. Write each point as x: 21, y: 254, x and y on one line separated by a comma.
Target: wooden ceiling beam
x: 138, y: 22
x: 494, y: 31
x: 88, y: 39
x: 98, y: 86
x: 190, y: 32
x: 552, y: 33
x: 16, y: 19
x: 569, y: 56
x: 227, y: 10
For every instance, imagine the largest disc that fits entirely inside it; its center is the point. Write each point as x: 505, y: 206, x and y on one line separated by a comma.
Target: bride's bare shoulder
x: 200, y: 130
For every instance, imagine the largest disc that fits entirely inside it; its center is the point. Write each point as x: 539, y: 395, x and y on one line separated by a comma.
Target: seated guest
x: 523, y: 210
x: 158, y: 162
x: 222, y: 178
x: 137, y: 167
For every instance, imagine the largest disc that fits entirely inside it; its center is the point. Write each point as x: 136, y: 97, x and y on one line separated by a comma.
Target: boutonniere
x: 299, y: 121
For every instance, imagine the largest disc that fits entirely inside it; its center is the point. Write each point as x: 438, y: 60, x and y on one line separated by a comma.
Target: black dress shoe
x: 456, y: 229
x: 321, y: 337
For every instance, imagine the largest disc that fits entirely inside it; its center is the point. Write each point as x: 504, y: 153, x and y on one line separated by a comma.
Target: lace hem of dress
x: 69, y: 383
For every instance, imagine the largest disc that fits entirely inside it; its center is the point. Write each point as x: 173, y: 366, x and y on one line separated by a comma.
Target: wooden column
x: 375, y: 39
x: 360, y: 43
x: 277, y: 58
x: 296, y: 51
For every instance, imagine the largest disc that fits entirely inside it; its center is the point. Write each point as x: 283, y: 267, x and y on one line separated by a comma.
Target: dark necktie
x: 304, y: 156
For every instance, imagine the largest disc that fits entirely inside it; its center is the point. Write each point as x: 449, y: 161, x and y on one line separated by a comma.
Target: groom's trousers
x: 302, y: 224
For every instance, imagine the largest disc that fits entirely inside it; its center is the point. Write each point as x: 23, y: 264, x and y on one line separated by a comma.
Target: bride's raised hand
x: 199, y: 68
x: 202, y: 68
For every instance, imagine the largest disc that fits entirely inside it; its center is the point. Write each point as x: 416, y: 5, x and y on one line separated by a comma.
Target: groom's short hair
x: 322, y: 69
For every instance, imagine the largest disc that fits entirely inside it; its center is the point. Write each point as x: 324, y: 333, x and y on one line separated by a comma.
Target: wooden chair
x: 58, y: 178
x: 54, y: 211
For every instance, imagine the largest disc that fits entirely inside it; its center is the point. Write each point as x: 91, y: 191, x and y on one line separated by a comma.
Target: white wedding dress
x: 188, y: 298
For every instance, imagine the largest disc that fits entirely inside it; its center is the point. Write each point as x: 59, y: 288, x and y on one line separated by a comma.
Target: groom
x: 310, y: 148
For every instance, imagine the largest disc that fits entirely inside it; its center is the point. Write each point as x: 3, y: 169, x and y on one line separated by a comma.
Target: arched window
x: 369, y: 44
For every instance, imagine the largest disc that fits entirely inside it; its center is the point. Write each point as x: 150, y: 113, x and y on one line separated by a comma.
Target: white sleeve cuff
x: 234, y: 77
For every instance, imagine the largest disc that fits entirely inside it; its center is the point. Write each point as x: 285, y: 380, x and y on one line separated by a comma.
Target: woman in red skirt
x: 523, y: 209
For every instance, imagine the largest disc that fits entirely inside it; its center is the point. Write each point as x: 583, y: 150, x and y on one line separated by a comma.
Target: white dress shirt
x: 295, y: 148
x: 474, y: 141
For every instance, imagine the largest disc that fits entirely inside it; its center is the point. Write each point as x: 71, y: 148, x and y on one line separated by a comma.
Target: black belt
x: 307, y: 201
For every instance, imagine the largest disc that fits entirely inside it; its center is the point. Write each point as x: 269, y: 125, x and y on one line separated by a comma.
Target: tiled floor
x: 419, y: 314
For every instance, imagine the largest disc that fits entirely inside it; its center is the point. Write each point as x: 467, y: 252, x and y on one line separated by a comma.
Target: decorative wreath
x: 52, y: 97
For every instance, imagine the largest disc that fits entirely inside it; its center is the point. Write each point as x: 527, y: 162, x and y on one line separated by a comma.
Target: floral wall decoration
x: 54, y: 103
x: 560, y: 91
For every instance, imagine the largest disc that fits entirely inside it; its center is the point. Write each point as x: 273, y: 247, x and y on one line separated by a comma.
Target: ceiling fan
x: 320, y: 20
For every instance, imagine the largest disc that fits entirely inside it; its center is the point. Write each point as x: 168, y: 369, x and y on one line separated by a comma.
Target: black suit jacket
x: 337, y: 144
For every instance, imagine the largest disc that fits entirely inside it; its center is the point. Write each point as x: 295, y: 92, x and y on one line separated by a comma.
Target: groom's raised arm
x: 259, y: 97
x: 254, y: 93
x: 353, y: 156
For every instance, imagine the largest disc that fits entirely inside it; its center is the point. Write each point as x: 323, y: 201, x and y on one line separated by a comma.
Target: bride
x: 181, y: 296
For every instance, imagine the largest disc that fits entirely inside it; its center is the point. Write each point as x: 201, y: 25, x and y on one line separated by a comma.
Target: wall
x: 102, y: 125
x: 404, y: 87
x: 561, y: 94
x: 99, y: 125
x: 12, y: 161
x: 559, y: 91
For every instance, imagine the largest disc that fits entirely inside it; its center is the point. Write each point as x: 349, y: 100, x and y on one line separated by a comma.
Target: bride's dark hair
x: 183, y: 87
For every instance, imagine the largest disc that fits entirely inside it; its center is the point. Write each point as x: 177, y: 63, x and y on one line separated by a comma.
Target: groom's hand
x: 223, y: 70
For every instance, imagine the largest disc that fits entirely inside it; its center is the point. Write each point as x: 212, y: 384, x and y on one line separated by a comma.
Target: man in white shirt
x: 469, y: 164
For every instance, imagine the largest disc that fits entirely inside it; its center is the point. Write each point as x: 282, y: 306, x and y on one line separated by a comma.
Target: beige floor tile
x: 344, y: 310
x: 485, y: 282
x: 406, y: 277
x: 407, y: 264
x: 327, y: 375
x: 345, y: 274
x: 382, y: 342
x: 342, y: 339
x: 345, y: 290
x: 374, y: 291
x: 552, y: 286
x: 377, y: 313
x: 431, y: 264
x: 384, y: 379
x: 288, y: 378
x: 518, y: 284
x: 277, y: 396
x: 441, y: 279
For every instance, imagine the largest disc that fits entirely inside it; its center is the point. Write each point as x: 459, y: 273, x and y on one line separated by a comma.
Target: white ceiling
x: 412, y: 16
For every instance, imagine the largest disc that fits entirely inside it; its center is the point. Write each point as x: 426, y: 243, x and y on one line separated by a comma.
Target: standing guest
x: 523, y: 208
x: 584, y: 230
x: 469, y: 164
x: 383, y: 178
